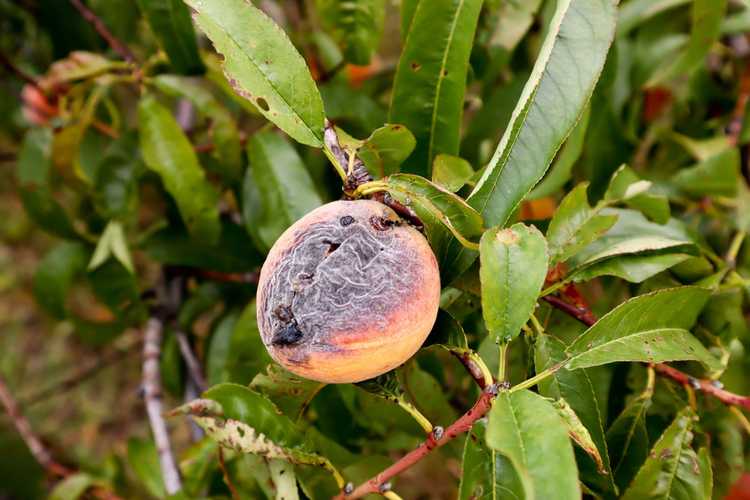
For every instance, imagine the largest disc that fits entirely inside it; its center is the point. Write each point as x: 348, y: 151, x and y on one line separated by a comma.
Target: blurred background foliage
x: 95, y: 217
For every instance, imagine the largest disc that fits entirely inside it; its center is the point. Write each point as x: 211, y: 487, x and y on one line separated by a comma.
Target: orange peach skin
x: 376, y: 345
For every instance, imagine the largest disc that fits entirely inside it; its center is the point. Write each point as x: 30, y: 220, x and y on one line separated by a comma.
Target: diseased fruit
x: 348, y: 292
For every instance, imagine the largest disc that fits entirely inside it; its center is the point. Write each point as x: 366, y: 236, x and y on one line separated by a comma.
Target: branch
x: 438, y: 437
x: 101, y: 28
x: 152, y: 398
x: 193, y: 366
x: 734, y: 128
x: 710, y: 387
x: 5, y: 61
x: 40, y: 452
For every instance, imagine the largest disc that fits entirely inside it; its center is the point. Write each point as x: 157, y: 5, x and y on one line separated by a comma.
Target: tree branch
x: 193, y: 366
x: 710, y: 387
x: 152, y: 398
x: 438, y: 437
x: 103, y: 31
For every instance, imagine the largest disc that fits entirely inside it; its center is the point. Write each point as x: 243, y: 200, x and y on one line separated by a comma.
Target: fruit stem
x: 409, y: 408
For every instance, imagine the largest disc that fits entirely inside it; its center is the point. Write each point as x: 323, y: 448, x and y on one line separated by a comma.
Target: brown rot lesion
x: 288, y: 335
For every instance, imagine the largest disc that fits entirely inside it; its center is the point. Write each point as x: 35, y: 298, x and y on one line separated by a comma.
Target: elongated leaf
x: 486, y: 474
x: 430, y: 81
x: 632, y: 268
x: 579, y: 433
x: 527, y: 429
x: 555, y: 95
x: 144, y: 460
x: 167, y: 151
x: 448, y: 334
x: 512, y: 272
x: 652, y: 328
x: 292, y: 394
x: 626, y: 186
x: 673, y: 469
x: 575, y: 225
x: 706, y: 27
x: 561, y: 170
x: 384, y: 150
x: 627, y: 440
x: 224, y: 133
x: 263, y: 66
x: 356, y: 25
x: 34, y: 172
x: 438, y: 209
x: 72, y: 487
x: 218, y: 350
x: 451, y: 172
x: 277, y: 189
x: 171, y: 25
x: 633, y: 234
x: 282, y: 475
x: 636, y: 12
x: 112, y: 242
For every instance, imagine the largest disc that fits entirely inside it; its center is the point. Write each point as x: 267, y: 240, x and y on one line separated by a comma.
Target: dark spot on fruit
x: 284, y: 313
x: 382, y: 223
x: 287, y: 335
x: 262, y: 104
x: 346, y: 220
x: 332, y: 247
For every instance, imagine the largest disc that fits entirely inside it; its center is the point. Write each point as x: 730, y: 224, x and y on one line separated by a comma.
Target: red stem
x: 434, y: 440
x: 710, y: 387
x: 101, y: 28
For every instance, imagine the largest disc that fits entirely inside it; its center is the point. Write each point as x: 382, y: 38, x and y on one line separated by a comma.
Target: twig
x: 103, y: 31
x: 152, y: 398
x: 734, y: 128
x: 80, y: 376
x: 40, y: 452
x: 436, y: 439
x: 476, y: 368
x: 225, y: 473
x: 250, y: 278
x: 193, y: 366
x: 710, y: 387
x: 10, y: 65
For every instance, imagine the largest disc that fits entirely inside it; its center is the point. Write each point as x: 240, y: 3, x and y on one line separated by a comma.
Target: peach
x: 347, y: 293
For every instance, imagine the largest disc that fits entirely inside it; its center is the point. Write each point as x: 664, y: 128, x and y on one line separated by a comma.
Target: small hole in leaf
x: 262, y: 104
x: 415, y: 66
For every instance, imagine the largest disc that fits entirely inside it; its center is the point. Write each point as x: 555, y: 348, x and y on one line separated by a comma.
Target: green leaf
x: 485, y: 474
x: 451, y: 172
x: 167, y: 151
x: 512, y: 272
x: 706, y: 28
x: 171, y: 25
x: 633, y: 234
x: 277, y: 190
x: 224, y: 133
x: 527, y: 429
x: 562, y: 81
x: 144, y: 461
x: 430, y: 81
x: 356, y: 25
x: 627, y: 440
x: 263, y: 66
x: 55, y: 275
x: 115, y: 180
x: 219, y: 350
x: 72, y: 487
x: 650, y: 328
x: 715, y: 176
x: 673, y: 470
x: 626, y: 186
x: 561, y: 171
x: 386, y: 149
x: 292, y: 394
x: 438, y: 209
x: 632, y: 268
x: 575, y: 225
x: 448, y: 334
x: 34, y: 172
x: 247, y: 354
x: 112, y: 242
x: 636, y: 12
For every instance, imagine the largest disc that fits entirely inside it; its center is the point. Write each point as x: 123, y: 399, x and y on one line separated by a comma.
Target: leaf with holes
x: 430, y: 81
x: 263, y: 66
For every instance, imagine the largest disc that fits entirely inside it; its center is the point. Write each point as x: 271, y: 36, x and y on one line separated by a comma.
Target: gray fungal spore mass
x: 337, y: 276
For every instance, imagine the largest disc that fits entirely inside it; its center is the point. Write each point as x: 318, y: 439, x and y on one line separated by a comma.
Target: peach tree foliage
x: 584, y: 152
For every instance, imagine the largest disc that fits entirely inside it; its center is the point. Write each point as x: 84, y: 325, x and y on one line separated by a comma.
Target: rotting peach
x: 347, y: 293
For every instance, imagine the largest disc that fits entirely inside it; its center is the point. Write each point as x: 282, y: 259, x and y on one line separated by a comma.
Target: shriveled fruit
x: 347, y: 293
